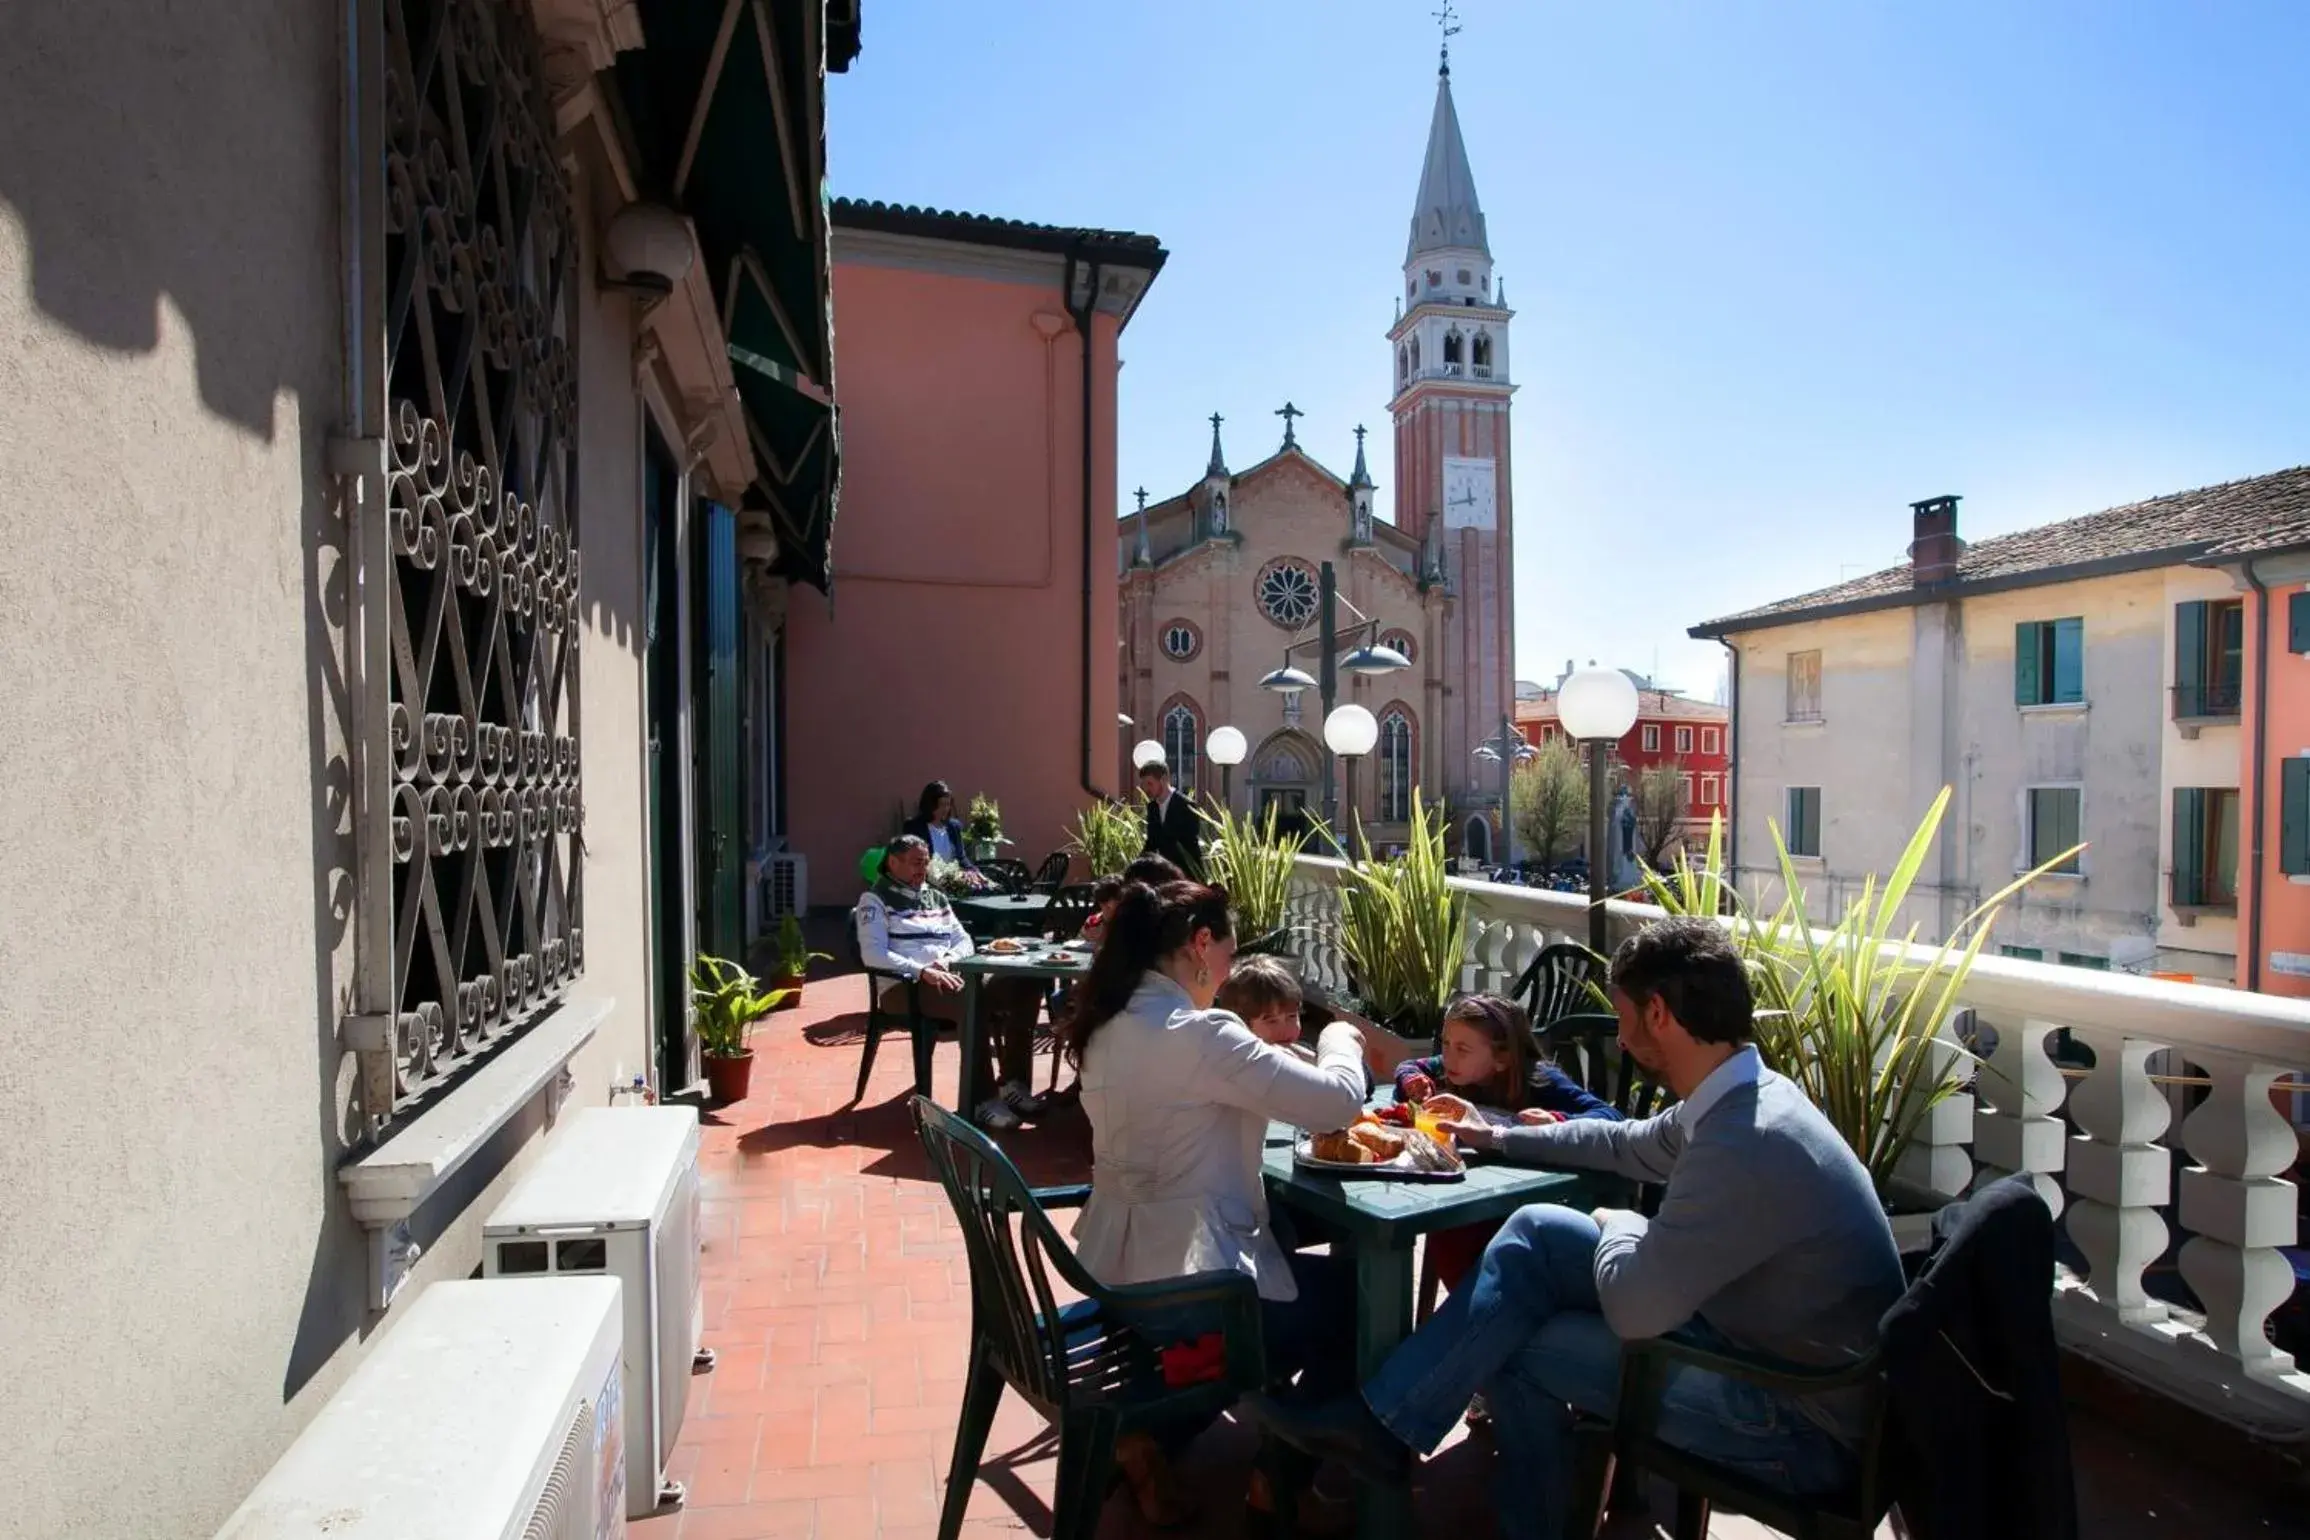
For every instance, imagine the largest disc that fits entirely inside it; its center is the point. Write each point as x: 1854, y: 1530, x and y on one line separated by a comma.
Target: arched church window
x: 1395, y: 760
x: 1181, y: 738
x: 1415, y: 355
x: 1403, y: 362
x: 1401, y: 641
x: 1181, y: 640
x: 1452, y: 346
x: 1482, y: 350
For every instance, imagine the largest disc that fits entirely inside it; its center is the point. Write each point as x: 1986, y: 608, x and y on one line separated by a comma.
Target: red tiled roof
x: 2176, y: 528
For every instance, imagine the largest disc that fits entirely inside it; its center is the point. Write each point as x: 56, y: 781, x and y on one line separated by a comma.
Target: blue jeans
x: 1525, y: 1329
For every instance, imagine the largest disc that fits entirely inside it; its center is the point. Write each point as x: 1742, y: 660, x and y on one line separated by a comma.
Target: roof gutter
x: 2257, y: 735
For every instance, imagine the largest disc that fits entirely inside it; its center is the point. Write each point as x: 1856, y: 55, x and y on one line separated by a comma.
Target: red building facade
x: 1693, y: 734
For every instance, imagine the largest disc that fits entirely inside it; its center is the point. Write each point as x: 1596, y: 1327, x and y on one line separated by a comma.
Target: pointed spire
x: 1142, y: 556
x: 1363, y: 475
x: 1218, y: 465
x: 1446, y: 213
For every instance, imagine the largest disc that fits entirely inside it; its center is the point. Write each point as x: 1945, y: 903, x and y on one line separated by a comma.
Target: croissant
x: 1338, y: 1146
x: 1383, y: 1143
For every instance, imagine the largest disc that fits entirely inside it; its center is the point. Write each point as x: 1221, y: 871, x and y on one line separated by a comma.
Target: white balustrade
x: 2112, y: 1177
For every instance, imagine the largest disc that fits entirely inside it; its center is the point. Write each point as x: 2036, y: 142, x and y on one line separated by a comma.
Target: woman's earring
x: 1202, y: 974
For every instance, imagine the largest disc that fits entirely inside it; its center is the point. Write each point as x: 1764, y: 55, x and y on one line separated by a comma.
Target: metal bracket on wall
x: 352, y: 458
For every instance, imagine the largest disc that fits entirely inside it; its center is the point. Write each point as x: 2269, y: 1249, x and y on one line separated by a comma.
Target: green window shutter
x: 2085, y: 960
x: 2068, y: 660
x: 2189, y: 656
x: 2294, y: 816
x: 2026, y: 684
x: 2024, y: 953
x: 2189, y: 844
x: 2298, y: 621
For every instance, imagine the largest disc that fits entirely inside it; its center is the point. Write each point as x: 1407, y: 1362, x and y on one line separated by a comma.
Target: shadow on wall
x: 124, y: 207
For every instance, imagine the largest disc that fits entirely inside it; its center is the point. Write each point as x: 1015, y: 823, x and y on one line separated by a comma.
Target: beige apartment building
x: 2073, y: 684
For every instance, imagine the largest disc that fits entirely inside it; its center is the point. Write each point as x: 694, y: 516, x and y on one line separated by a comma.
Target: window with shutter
x: 2294, y: 816
x: 2205, y: 840
x: 2298, y: 621
x: 2028, y: 677
x: 2053, y: 815
x: 1803, y: 834
x: 2069, y: 660
x: 2209, y: 658
x: 2049, y: 662
x: 2189, y: 857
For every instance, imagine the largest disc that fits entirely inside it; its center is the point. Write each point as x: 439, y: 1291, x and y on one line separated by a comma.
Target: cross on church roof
x: 1287, y: 412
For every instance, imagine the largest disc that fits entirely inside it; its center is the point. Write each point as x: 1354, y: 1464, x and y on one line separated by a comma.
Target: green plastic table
x: 989, y: 915
x: 1042, y: 960
x: 1379, y: 1218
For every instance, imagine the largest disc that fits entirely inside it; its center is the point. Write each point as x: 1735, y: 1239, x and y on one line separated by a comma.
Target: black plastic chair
x: 1564, y: 979
x: 1052, y: 874
x: 879, y: 1019
x: 1094, y: 1369
x: 1007, y: 873
x: 1069, y: 908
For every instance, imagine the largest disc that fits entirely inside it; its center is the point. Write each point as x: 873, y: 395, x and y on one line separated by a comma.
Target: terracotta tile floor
x: 836, y: 1293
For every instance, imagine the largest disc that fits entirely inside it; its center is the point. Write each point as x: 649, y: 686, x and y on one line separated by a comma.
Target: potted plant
x: 791, y: 958
x: 1256, y: 862
x: 1848, y: 1013
x: 983, y: 827
x: 728, y: 1002
x: 1404, y: 928
x: 1108, y: 836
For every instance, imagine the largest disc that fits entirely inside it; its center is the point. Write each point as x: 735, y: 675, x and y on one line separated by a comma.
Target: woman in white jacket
x: 1179, y: 1095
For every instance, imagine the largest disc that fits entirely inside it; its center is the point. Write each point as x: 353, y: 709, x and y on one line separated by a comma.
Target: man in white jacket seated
x: 907, y: 927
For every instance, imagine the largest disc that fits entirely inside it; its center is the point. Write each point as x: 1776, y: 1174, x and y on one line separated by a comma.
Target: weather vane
x: 1450, y: 23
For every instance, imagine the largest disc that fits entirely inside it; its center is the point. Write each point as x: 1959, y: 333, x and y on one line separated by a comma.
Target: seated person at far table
x: 1108, y: 892
x: 1770, y: 1241
x: 907, y: 927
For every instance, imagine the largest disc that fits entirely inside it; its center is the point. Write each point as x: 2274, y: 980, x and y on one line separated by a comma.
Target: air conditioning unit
x: 615, y: 1194
x: 785, y: 885
x: 487, y: 1413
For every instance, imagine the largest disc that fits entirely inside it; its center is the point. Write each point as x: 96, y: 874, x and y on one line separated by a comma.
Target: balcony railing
x: 2111, y: 1154
x: 2202, y: 700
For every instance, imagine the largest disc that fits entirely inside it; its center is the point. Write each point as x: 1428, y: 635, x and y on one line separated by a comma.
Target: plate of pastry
x: 1371, y: 1147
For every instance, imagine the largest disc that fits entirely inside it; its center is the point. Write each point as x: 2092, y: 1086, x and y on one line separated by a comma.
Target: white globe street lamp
x: 1598, y: 706
x: 1225, y: 748
x: 1147, y: 751
x: 1350, y: 732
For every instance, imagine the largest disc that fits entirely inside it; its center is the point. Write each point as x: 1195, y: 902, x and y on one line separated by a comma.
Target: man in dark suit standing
x: 1174, y: 828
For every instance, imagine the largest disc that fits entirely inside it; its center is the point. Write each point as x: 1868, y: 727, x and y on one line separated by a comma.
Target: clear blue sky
x: 1779, y: 266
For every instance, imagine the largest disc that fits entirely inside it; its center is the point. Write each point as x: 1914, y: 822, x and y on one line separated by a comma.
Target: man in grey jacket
x: 1769, y: 1239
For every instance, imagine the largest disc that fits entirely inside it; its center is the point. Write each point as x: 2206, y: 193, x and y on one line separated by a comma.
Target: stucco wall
x: 2213, y: 755
x: 952, y: 648
x: 2284, y: 900
x: 1917, y: 698
x: 181, y: 1282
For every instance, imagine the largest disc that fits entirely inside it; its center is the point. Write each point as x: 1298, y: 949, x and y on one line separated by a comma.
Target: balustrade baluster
x: 2016, y: 1129
x: 1939, y: 1159
x: 2238, y: 1210
x: 2119, y: 1175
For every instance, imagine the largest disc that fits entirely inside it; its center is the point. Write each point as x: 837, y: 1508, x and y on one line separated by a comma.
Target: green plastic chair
x: 1565, y: 978
x: 1609, y: 1453
x: 923, y: 1030
x: 1092, y: 1368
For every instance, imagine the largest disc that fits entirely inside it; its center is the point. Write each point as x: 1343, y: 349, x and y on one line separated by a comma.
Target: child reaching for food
x: 1490, y: 1062
x: 1265, y: 995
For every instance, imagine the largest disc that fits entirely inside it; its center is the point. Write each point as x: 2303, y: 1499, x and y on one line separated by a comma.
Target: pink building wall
x: 2284, y: 902
x: 952, y: 647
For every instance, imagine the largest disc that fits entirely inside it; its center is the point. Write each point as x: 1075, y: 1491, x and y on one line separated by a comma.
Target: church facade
x: 1220, y: 579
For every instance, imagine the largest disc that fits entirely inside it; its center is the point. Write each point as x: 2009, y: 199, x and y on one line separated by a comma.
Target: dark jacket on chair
x: 1978, y: 1439
x: 1176, y: 834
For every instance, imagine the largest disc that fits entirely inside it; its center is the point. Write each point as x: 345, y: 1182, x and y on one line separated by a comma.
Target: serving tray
x: 1400, y: 1169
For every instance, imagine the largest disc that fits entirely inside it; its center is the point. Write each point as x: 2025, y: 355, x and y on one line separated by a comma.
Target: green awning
x: 726, y: 105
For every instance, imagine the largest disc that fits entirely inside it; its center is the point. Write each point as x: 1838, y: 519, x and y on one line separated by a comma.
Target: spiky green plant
x: 1851, y: 1014
x: 1404, y: 928
x: 1108, y: 835
x: 1255, y: 860
x: 728, y: 1001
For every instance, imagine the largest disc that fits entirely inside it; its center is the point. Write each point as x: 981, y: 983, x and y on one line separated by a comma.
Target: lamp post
x: 1226, y: 748
x: 1368, y: 659
x: 1350, y: 731
x: 1510, y: 750
x: 1597, y: 706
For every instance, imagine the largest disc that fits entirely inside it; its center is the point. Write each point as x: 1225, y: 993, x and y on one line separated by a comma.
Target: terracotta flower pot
x: 727, y: 1079
x: 793, y: 981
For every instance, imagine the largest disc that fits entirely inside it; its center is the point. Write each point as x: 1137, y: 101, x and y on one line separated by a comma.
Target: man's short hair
x: 1689, y: 964
x: 1257, y: 985
x: 904, y: 844
x: 1156, y: 767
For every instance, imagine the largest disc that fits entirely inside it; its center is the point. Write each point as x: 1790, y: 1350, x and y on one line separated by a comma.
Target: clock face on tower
x: 1471, y: 494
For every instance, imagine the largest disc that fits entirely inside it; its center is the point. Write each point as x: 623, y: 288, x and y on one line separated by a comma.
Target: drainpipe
x: 2257, y: 771
x: 1082, y: 318
x: 1732, y: 760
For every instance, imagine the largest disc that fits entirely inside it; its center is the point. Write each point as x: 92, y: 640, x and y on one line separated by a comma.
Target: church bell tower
x: 1450, y: 408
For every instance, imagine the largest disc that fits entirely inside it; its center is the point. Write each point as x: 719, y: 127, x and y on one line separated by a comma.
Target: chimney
x: 1934, y: 551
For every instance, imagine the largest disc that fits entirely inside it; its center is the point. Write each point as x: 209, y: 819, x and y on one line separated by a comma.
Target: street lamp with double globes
x: 1598, y: 707
x: 1226, y: 748
x: 1350, y: 732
